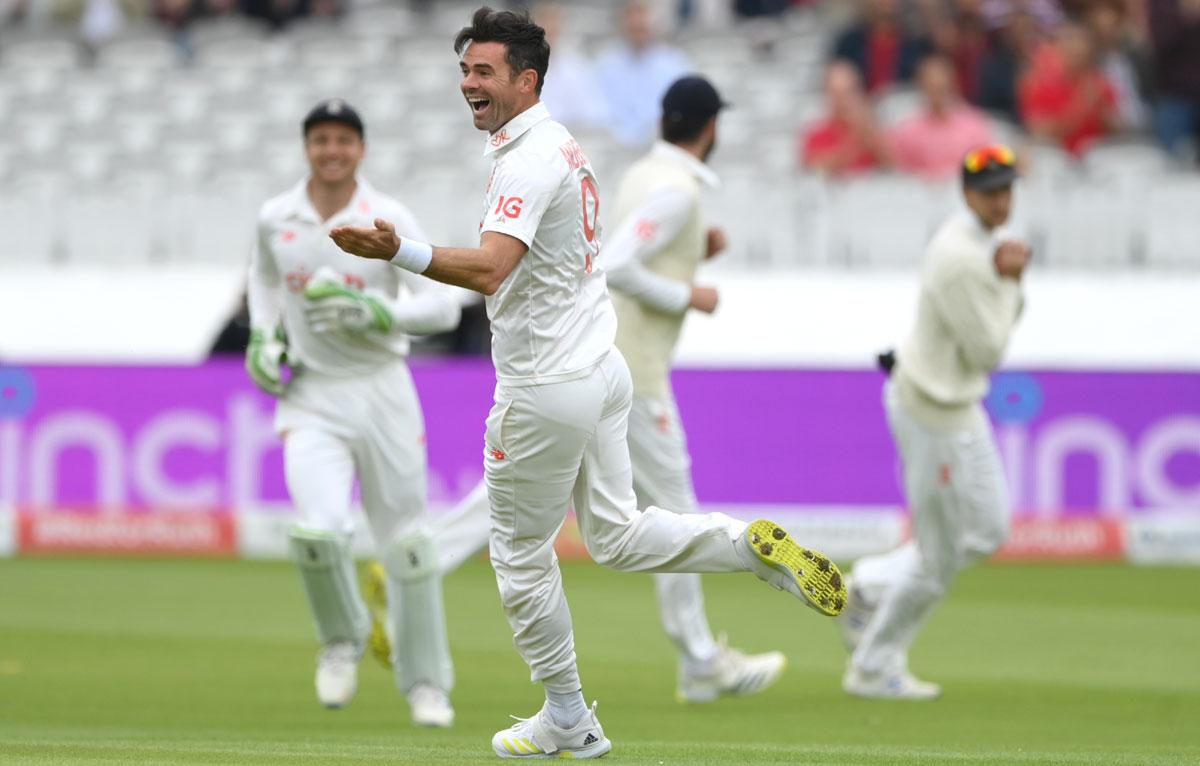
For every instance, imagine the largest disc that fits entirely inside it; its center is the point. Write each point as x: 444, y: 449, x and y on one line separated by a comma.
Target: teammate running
x: 557, y: 431
x: 651, y: 261
x: 350, y: 408
x: 970, y: 300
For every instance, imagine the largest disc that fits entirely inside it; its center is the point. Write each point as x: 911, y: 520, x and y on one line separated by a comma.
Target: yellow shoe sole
x: 375, y: 593
x: 818, y: 578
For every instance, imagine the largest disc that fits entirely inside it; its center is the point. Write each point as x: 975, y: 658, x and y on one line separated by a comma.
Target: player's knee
x: 608, y: 548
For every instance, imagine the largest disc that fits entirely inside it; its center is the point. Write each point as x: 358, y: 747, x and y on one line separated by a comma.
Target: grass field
x: 201, y: 662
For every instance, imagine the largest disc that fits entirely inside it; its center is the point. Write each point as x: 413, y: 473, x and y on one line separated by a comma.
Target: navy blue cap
x: 691, y: 97
x: 334, y: 110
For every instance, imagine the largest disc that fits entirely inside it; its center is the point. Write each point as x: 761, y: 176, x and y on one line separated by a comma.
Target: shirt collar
x: 301, y: 206
x: 689, y: 161
x: 515, y: 128
x: 976, y: 227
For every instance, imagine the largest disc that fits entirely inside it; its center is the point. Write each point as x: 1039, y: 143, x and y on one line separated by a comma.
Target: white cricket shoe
x: 730, y: 673
x: 899, y: 686
x: 430, y: 706
x: 855, y: 617
x: 539, y: 737
x: 337, y: 674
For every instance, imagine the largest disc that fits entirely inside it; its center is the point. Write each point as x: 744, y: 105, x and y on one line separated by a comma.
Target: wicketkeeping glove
x: 265, y: 356
x: 332, y: 306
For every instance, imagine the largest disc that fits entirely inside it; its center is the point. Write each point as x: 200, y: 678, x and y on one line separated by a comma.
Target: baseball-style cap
x: 989, y: 167
x: 691, y: 97
x: 334, y: 110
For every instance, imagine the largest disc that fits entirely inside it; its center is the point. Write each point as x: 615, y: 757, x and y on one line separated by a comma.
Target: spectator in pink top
x: 932, y: 143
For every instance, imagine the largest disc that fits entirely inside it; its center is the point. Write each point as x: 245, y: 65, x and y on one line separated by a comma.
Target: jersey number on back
x: 590, y: 214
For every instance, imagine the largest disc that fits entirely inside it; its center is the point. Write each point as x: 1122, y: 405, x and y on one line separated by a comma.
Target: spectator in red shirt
x: 849, y: 140
x: 879, y: 47
x: 1065, y: 98
x: 932, y: 143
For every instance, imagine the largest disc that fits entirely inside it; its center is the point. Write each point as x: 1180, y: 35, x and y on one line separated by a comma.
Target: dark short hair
x: 684, y: 129
x: 525, y: 41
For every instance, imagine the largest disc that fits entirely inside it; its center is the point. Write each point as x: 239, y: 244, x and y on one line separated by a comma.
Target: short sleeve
x: 517, y: 199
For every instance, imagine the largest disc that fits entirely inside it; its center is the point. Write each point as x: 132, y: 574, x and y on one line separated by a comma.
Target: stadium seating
x: 164, y: 147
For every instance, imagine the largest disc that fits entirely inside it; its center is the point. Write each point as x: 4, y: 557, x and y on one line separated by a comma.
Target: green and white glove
x: 332, y: 307
x: 265, y: 357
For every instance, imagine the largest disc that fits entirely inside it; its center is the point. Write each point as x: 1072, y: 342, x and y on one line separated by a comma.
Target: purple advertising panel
x: 1073, y: 443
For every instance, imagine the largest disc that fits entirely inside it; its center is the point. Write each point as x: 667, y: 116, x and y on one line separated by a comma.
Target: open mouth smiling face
x: 485, y: 74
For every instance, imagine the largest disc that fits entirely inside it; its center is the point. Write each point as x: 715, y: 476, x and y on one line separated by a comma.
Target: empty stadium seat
x: 30, y: 215
x: 1083, y: 222
x: 149, y: 50
x: 882, y: 220
x: 1126, y: 159
x: 897, y: 105
x: 1171, y: 229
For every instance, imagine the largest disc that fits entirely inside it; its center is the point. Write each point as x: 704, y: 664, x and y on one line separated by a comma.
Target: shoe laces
x: 726, y: 654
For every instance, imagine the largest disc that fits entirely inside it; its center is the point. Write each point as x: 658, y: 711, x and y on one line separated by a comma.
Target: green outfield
x: 199, y: 662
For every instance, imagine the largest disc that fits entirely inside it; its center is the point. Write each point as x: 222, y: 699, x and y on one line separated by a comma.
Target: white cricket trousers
x: 549, y: 444
x: 662, y: 476
x: 372, y: 426
x: 960, y: 514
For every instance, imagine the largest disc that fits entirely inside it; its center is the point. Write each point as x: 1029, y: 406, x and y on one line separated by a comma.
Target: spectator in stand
x: 570, y: 89
x: 175, y: 14
x: 932, y: 143
x: 1046, y: 15
x: 849, y: 140
x: 1012, y: 49
x: 1065, y: 98
x: 1122, y: 59
x: 634, y: 75
x: 879, y: 47
x: 962, y: 36
x: 749, y: 9
x: 279, y: 13
x: 1175, y: 32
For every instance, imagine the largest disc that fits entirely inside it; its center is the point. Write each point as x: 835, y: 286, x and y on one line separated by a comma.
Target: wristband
x: 413, y: 256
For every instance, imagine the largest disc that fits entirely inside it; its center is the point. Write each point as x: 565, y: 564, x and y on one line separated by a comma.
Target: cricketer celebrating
x: 557, y: 430
x: 349, y: 409
x: 651, y: 260
x: 969, y: 303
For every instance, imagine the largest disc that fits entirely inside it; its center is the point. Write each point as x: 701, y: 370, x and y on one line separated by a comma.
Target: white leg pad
x: 421, y: 650
x: 331, y: 584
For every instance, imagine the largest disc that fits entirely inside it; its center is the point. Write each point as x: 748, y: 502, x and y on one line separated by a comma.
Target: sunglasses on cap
x: 978, y: 159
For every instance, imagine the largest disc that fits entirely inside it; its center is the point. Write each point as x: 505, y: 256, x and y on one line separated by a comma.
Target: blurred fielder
x: 349, y: 410
x: 969, y: 303
x: 651, y: 260
x: 557, y: 431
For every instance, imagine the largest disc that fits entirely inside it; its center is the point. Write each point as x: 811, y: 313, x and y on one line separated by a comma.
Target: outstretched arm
x: 482, y: 269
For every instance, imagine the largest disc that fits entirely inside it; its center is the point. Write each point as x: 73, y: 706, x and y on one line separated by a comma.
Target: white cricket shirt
x: 965, y: 316
x: 552, y: 319
x: 293, y: 242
